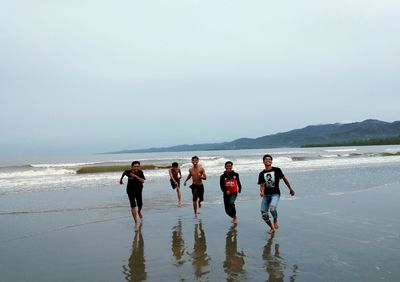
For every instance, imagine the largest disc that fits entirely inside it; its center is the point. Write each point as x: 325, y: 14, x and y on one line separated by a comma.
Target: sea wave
x: 63, y: 176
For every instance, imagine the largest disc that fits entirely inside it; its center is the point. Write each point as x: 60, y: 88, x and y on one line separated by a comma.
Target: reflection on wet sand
x: 275, y: 264
x: 178, y: 244
x: 136, y: 269
x: 200, y: 259
x: 234, y: 260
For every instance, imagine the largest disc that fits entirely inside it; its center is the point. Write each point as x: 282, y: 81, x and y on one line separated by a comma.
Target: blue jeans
x: 269, y: 203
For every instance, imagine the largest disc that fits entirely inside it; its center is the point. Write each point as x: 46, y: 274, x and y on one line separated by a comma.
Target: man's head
x: 267, y: 156
x: 267, y: 159
x: 228, y: 166
x: 175, y: 165
x: 135, y: 165
x: 195, y: 160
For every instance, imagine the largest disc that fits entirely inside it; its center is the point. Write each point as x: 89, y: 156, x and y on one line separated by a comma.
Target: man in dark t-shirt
x: 230, y: 185
x: 134, y: 189
x: 268, y: 179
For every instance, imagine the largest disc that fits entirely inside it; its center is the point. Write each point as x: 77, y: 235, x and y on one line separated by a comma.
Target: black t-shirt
x: 133, y: 182
x: 270, y: 179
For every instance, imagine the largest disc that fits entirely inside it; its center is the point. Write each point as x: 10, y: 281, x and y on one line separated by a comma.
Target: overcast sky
x: 93, y: 76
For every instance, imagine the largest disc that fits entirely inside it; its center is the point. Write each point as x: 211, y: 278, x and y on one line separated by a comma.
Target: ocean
x: 374, y: 164
x: 342, y: 225
x: 48, y: 186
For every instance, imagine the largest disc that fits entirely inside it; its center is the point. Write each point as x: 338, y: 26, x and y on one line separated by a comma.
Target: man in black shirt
x: 268, y: 179
x: 134, y: 189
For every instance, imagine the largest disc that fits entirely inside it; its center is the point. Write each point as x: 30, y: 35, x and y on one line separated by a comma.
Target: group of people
x: 268, y: 180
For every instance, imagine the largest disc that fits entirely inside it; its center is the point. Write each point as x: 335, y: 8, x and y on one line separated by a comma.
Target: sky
x: 98, y: 76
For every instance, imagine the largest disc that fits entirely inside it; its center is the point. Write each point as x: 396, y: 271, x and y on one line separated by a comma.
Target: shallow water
x: 343, y: 225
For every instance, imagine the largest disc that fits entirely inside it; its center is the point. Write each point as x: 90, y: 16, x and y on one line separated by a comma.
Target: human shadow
x: 178, y: 244
x: 234, y: 260
x: 200, y: 258
x: 275, y: 264
x: 135, y: 270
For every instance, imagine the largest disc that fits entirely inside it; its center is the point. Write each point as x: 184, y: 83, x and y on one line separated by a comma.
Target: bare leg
x: 133, y: 211
x: 178, y: 192
x: 195, y: 208
x: 140, y: 212
x: 234, y: 220
x: 276, y: 223
x: 272, y: 228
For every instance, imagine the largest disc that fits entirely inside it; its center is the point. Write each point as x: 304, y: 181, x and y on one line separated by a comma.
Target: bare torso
x: 175, y: 173
x: 197, y: 173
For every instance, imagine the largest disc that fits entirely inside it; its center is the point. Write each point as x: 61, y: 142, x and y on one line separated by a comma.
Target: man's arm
x: 222, y: 184
x: 138, y: 177
x: 203, y: 175
x: 262, y: 190
x: 120, y: 181
x: 291, y: 191
x: 188, y: 177
x: 238, y: 183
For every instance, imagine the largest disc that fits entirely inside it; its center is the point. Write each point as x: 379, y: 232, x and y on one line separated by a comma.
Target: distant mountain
x: 313, y: 134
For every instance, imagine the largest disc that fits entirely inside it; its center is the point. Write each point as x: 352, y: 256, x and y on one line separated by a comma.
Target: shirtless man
x: 175, y: 178
x: 198, y: 174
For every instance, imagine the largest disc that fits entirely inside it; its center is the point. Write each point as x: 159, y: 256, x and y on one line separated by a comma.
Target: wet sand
x: 343, y: 237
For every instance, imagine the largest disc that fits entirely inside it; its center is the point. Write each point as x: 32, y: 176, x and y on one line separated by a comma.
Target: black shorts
x: 197, y: 192
x: 173, y: 185
x: 135, y: 198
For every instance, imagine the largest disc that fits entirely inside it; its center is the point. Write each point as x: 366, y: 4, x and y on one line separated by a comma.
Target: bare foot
x: 276, y: 224
x: 234, y: 220
x: 136, y: 227
x: 140, y: 215
x: 271, y: 231
x: 195, y: 215
x: 179, y: 204
x: 199, y: 204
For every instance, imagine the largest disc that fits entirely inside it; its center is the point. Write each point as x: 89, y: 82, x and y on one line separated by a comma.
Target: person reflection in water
x: 200, y: 259
x: 234, y: 260
x: 178, y: 244
x: 275, y: 264
x: 136, y: 269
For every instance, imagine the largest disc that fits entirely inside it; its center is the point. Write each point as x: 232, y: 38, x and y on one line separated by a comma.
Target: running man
x: 268, y: 179
x: 134, y: 189
x: 175, y: 178
x: 198, y: 174
x: 230, y: 186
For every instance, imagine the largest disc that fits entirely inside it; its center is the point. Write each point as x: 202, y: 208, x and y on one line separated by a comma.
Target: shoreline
x: 322, y: 237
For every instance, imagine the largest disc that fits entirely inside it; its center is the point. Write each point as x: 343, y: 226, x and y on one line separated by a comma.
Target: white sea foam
x: 28, y: 174
x: 63, y: 165
x: 341, y: 150
x: 61, y: 176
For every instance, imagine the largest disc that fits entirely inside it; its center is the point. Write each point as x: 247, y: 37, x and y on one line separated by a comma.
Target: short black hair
x: 267, y: 156
x: 175, y: 164
x: 195, y: 158
x: 228, y: 162
x: 135, y: 162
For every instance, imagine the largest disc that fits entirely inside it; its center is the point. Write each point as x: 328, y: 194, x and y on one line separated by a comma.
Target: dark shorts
x: 173, y: 183
x: 135, y: 198
x: 197, y: 192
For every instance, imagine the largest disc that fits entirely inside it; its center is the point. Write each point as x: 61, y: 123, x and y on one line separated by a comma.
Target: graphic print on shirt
x: 269, y: 179
x: 231, y: 185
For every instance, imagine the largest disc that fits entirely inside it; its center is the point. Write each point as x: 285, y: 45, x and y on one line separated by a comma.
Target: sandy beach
x: 341, y: 237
